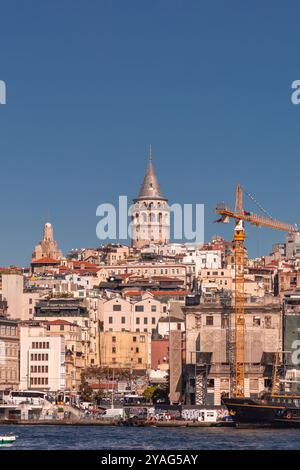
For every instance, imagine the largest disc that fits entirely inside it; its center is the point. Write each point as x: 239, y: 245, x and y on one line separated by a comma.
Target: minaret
x: 150, y: 212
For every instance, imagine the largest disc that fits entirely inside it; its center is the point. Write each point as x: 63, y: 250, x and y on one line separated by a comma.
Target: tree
x: 86, y: 391
x: 156, y: 392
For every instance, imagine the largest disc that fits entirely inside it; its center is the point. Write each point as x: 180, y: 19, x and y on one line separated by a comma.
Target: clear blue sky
x: 91, y: 83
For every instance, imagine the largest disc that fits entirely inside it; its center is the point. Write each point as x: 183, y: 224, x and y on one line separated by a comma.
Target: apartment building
x: 118, y: 314
x: 125, y: 349
x: 42, y: 359
x: 9, y: 353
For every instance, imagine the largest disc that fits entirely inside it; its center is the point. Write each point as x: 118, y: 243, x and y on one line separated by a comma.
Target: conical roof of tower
x: 150, y: 187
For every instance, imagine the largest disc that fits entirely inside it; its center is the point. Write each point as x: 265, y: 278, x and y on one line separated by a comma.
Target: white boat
x: 7, y: 439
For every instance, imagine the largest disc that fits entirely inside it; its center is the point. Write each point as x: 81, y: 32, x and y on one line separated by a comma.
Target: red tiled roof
x: 60, y: 322
x: 45, y: 260
x: 86, y: 264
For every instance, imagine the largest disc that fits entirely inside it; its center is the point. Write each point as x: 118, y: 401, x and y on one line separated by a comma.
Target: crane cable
x: 251, y: 196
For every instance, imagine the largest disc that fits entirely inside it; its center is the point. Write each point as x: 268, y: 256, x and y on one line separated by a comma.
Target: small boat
x: 7, y: 439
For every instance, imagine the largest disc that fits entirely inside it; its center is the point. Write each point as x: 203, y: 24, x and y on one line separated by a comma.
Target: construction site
x: 234, y: 344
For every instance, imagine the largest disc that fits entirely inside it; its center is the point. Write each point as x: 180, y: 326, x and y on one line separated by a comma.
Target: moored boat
x: 281, y: 410
x: 7, y: 439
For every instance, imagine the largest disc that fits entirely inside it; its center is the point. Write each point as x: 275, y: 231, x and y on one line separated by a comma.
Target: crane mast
x: 237, y: 333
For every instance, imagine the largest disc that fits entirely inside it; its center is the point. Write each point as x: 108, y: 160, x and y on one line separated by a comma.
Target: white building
x: 42, y: 360
x: 210, y: 259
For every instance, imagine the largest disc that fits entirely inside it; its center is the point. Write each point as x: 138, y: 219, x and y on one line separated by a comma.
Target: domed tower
x: 150, y: 216
x: 48, y: 247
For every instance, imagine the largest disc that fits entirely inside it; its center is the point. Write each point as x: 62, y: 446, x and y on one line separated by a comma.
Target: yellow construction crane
x: 240, y: 216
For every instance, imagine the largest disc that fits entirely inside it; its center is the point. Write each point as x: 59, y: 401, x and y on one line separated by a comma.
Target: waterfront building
x: 74, y: 361
x: 150, y: 216
x: 9, y: 350
x: 42, y: 359
x: 71, y: 309
x: 208, y: 348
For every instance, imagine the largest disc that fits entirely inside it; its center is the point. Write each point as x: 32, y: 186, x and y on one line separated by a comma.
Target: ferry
x: 7, y: 439
x: 282, y: 410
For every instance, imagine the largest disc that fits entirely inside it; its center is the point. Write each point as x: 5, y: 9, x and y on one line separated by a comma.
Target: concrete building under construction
x: 209, y: 344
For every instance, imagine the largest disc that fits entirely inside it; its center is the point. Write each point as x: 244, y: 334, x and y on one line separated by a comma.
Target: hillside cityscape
x: 150, y: 321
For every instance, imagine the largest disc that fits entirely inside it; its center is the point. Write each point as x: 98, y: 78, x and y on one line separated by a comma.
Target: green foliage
x: 86, y: 391
x: 156, y: 392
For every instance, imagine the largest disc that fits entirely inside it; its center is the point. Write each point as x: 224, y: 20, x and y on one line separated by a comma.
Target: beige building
x: 47, y: 247
x: 125, y: 350
x: 74, y: 363
x: 9, y: 353
x: 149, y: 270
x: 20, y: 302
x: 74, y: 310
x: 116, y: 254
x: 12, y: 292
x: 150, y: 215
x: 118, y: 314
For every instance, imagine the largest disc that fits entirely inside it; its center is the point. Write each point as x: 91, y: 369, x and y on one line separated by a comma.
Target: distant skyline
x: 89, y: 85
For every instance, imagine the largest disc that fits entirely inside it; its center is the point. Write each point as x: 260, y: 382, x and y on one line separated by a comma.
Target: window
x: 268, y: 321
x: 256, y: 321
x: 134, y: 339
x: 137, y: 320
x: 139, y: 308
x: 117, y: 307
x: 139, y: 360
x: 123, y: 320
x: 178, y: 326
x: 62, y: 327
x: 142, y: 339
x: 209, y: 320
x: 114, y: 350
x: 110, y: 320
x: 153, y: 308
x: 145, y: 321
x: 153, y: 321
x: 137, y: 350
x: 114, y: 339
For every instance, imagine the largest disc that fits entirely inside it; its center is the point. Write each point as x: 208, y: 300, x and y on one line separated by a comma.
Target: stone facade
x: 48, y: 247
x: 9, y: 353
x: 150, y: 216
